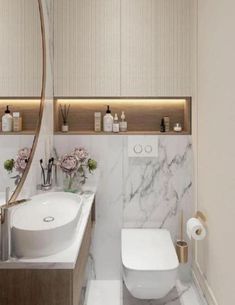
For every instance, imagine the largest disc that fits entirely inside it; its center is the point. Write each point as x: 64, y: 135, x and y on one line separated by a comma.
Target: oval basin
x: 45, y: 225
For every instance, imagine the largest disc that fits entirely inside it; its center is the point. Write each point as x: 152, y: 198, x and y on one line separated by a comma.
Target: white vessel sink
x: 45, y: 225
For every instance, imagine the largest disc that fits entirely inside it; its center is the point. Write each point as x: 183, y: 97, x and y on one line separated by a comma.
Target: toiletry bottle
x: 97, y: 121
x: 162, y: 126
x: 17, y: 122
x: 108, y: 121
x: 115, y: 124
x: 167, y: 123
x: 123, y: 123
x: 7, y: 121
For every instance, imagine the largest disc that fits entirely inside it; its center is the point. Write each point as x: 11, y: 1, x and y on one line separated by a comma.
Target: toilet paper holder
x: 201, y: 216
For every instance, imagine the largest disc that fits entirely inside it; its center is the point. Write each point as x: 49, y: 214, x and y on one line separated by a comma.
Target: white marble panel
x: 107, y: 150
x: 156, y: 189
x: 133, y: 193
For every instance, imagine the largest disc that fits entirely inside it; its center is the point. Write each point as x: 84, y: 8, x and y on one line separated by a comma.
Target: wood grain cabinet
x: 124, y: 48
x: 46, y: 286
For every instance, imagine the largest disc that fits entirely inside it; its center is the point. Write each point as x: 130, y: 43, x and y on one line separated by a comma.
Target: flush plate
x: 143, y: 146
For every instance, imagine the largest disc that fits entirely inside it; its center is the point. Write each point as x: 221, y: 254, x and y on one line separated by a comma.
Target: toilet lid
x: 148, y: 249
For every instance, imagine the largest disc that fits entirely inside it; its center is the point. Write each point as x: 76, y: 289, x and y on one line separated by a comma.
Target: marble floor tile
x: 182, y: 294
x: 103, y: 293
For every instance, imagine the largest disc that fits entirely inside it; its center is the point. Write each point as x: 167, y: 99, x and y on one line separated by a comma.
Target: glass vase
x: 71, y: 184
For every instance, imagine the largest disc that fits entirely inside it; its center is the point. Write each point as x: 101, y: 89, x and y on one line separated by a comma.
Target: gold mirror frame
x: 41, y: 108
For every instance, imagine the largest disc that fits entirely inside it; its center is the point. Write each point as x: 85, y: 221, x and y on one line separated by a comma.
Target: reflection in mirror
x: 20, y: 87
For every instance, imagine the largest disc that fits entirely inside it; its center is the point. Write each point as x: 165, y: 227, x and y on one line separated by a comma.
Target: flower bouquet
x: 75, y: 166
x: 19, y: 164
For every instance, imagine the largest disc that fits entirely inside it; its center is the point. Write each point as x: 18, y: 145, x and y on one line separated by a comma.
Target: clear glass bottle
x: 115, y: 123
x: 123, y: 123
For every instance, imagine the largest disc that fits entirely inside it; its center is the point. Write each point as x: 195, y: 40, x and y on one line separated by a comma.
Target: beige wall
x: 20, y: 48
x: 216, y: 146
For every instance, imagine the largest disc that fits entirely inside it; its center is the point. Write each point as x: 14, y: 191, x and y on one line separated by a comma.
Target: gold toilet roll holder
x: 181, y: 244
x: 199, y: 215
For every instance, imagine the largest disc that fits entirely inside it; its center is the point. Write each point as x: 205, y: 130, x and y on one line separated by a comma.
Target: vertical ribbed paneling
x: 172, y: 29
x: 106, y: 47
x: 124, y: 47
x: 87, y: 47
x: 157, y: 39
x: 20, y: 48
x: 72, y: 47
x: 136, y: 19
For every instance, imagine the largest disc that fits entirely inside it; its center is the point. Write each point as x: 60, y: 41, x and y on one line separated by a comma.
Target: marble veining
x: 157, y: 189
x: 133, y: 192
x: 182, y: 294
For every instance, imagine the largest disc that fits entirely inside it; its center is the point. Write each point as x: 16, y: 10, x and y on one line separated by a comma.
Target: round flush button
x: 148, y: 149
x: 138, y: 149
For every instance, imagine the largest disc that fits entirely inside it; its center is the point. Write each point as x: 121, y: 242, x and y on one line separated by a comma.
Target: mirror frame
x: 41, y: 108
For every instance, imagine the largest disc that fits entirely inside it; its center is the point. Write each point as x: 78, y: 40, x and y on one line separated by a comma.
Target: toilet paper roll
x: 195, y: 229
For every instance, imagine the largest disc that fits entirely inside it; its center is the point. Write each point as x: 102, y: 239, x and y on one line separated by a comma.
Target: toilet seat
x: 148, y: 250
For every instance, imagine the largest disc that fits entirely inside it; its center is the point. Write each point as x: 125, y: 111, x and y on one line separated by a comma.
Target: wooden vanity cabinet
x: 46, y: 286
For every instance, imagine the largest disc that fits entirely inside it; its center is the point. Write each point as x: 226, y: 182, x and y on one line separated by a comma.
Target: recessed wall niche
x: 29, y: 110
x: 142, y: 114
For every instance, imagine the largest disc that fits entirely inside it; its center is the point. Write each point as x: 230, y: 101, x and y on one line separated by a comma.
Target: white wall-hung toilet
x: 150, y: 262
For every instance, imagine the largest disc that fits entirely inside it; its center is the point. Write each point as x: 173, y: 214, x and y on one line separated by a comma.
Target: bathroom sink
x: 45, y: 225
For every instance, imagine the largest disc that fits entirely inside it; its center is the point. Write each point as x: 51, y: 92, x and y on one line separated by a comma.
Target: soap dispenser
x: 7, y: 121
x: 108, y: 121
x: 123, y: 123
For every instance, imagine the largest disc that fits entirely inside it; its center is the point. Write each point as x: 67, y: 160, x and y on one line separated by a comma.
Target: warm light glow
x: 133, y: 101
x: 13, y: 101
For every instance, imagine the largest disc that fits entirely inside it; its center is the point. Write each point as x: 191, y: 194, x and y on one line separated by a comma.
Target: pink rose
x: 22, y: 159
x: 69, y: 164
x: 81, y: 153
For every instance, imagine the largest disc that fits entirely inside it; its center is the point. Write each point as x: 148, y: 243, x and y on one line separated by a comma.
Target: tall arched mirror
x: 21, y: 83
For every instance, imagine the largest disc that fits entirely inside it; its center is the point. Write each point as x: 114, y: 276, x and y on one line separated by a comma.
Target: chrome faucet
x: 5, y: 225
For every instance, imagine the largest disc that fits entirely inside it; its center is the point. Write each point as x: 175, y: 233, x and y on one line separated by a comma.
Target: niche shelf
x: 143, y: 114
x: 29, y: 109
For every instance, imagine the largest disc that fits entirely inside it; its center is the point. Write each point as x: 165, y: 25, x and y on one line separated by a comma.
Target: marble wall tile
x: 131, y: 192
x: 157, y: 189
x: 107, y: 150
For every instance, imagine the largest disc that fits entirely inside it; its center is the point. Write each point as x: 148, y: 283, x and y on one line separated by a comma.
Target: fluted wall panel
x: 124, y: 47
x: 20, y: 48
x: 87, y: 47
x: 157, y: 47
